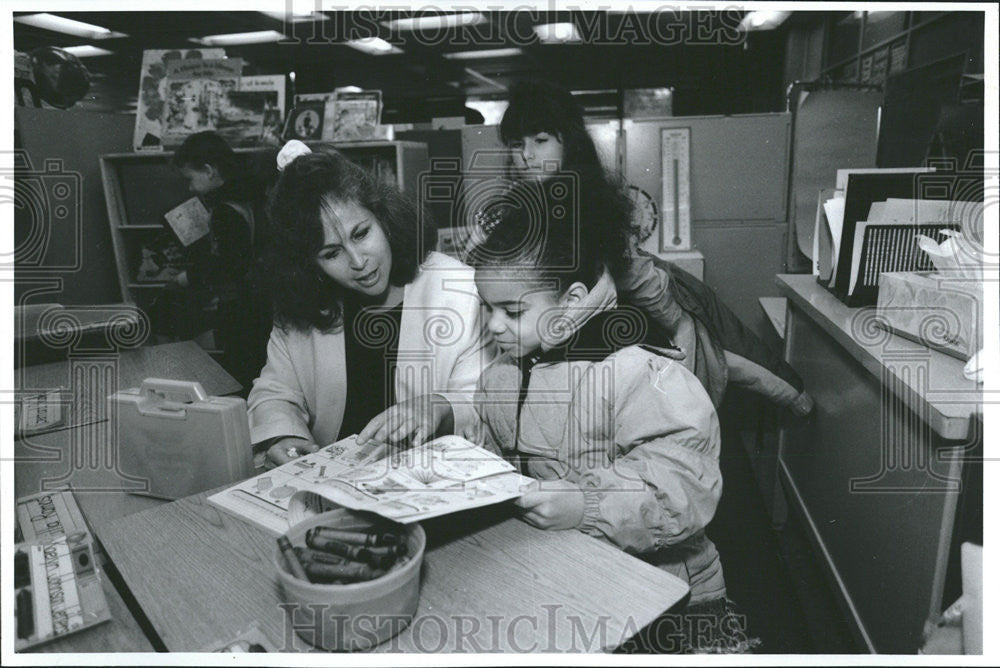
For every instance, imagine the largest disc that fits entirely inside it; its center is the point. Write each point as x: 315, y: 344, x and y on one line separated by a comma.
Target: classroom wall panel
x: 739, y: 164
x: 739, y: 187
x: 75, y: 138
x: 741, y: 259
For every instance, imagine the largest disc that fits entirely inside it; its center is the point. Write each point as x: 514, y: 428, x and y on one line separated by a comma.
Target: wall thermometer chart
x: 675, y: 154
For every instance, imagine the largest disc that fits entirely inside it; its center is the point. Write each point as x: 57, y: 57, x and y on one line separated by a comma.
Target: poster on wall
x: 152, y: 92
x: 197, y: 99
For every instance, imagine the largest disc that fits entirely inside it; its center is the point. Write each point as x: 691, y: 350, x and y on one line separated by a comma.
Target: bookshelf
x: 140, y: 187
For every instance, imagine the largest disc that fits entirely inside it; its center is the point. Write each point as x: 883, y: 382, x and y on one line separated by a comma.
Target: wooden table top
x: 200, y: 575
x: 184, y: 360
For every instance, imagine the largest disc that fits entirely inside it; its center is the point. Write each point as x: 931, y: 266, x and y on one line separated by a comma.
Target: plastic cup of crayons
x: 353, y: 579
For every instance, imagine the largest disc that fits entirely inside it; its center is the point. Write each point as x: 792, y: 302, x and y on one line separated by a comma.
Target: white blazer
x: 443, y: 347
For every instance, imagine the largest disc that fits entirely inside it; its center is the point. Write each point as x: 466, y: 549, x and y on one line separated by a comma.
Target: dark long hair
x: 305, y: 297
x: 538, y: 106
x: 542, y: 230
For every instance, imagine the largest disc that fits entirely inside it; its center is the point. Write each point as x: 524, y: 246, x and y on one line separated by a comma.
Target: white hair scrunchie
x: 291, y: 150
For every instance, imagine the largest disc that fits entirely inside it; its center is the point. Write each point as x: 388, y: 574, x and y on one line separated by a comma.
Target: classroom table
x: 490, y: 583
x: 88, y: 378
x: 76, y: 456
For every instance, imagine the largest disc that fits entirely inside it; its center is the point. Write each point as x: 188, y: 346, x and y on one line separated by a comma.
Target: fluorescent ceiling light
x: 349, y: 89
x: 67, y: 26
x: 236, y: 38
x: 486, y: 53
x: 86, y: 51
x: 436, y: 21
x: 556, y: 33
x: 375, y: 46
x: 297, y: 17
x: 763, y: 20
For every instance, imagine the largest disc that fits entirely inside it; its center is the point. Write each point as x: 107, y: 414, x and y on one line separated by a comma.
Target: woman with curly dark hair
x: 374, y: 332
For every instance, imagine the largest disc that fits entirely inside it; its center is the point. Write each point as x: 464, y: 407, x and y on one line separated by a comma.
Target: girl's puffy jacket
x: 633, y: 428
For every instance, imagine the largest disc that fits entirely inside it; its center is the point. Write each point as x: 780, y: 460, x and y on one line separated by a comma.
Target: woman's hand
x: 411, y: 422
x: 559, y: 506
x: 286, y: 449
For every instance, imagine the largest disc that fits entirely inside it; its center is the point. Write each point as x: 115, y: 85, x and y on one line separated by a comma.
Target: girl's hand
x: 558, y: 506
x: 412, y: 421
x: 286, y: 449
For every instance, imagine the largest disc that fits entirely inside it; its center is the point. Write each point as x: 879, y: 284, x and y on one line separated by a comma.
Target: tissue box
x: 937, y: 310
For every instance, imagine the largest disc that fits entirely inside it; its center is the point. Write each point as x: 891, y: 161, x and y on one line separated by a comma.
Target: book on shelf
x: 306, y: 121
x: 443, y: 476
x: 356, y: 115
x: 273, y: 87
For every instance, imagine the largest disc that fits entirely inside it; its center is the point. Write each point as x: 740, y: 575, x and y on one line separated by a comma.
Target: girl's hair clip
x: 291, y: 150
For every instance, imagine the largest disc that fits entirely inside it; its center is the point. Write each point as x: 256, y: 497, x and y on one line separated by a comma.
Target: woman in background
x: 544, y: 128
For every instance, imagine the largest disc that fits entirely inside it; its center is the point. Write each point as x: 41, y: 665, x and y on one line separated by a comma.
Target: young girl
x: 373, y: 331
x: 623, y: 440
x: 545, y: 129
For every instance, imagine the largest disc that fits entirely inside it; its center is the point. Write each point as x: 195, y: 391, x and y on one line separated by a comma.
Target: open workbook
x: 443, y: 476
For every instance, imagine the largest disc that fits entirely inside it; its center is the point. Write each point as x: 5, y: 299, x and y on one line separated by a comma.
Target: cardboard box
x: 940, y: 311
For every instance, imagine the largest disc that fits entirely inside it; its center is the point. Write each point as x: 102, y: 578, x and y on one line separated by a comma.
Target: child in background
x: 545, y: 129
x: 623, y: 440
x: 219, y: 264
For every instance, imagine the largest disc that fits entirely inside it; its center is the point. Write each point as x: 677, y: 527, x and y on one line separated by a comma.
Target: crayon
x: 389, y: 550
x: 317, y: 541
x: 382, y: 561
x: 352, y: 552
x: 378, y: 561
x: 326, y: 572
x: 357, y: 537
x: 307, y: 555
x: 294, y: 565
